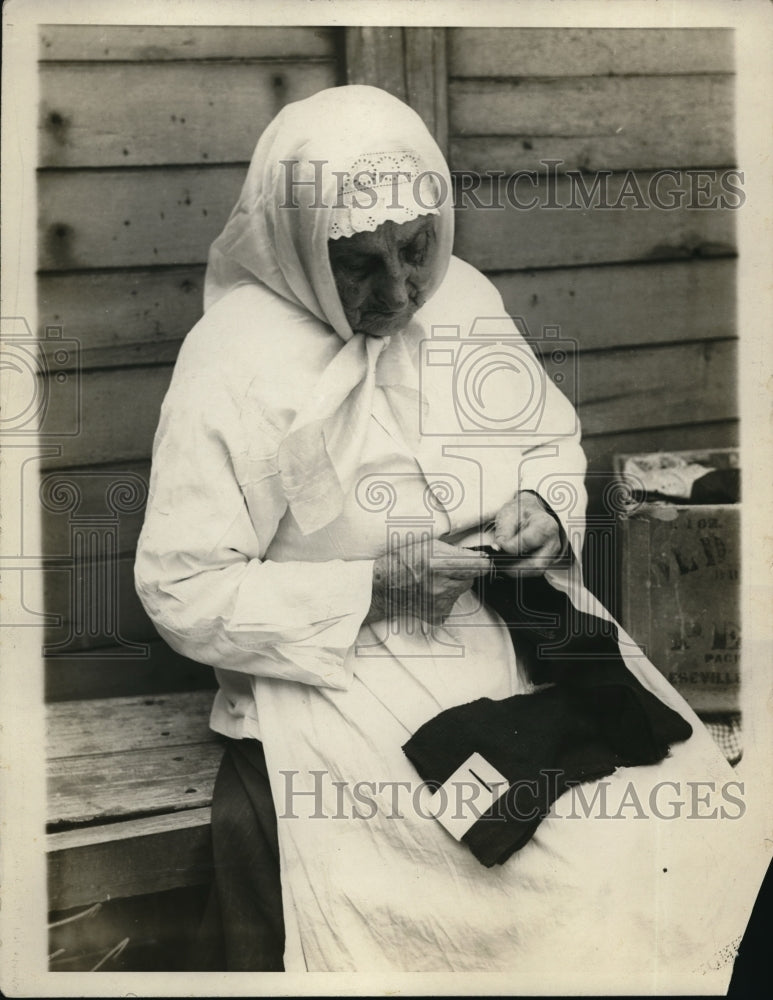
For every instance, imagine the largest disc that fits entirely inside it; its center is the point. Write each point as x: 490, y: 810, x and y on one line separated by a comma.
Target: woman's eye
x: 416, y: 252
x: 349, y: 271
x: 357, y: 270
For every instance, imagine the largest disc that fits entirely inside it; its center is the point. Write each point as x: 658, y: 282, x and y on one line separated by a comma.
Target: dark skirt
x: 243, y: 926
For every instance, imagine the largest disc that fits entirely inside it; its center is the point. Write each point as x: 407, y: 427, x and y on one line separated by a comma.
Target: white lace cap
x: 382, y: 187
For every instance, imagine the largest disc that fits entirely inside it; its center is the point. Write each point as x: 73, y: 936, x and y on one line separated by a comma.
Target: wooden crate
x: 679, y: 590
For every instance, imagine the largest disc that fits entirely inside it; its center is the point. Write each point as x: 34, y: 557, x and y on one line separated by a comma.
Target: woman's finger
x: 532, y: 536
x: 507, y: 521
x: 460, y: 569
x: 445, y: 551
x: 452, y: 558
x: 536, y: 561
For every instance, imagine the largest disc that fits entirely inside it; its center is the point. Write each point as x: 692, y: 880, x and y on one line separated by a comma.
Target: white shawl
x: 278, y: 234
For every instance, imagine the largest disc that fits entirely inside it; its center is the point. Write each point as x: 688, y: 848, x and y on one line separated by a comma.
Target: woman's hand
x: 525, y: 529
x: 424, y: 579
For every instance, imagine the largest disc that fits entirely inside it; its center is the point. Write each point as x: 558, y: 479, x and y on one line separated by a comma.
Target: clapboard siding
x: 211, y: 112
x: 140, y: 316
x: 123, y: 317
x: 119, y: 414
x: 645, y: 387
x: 511, y: 238
x: 143, y: 43
x: 103, y: 675
x: 626, y: 305
x: 540, y: 52
x: 591, y: 123
x: 171, y: 215
x: 214, y: 112
x: 512, y: 154
x: 659, y: 386
x: 163, y: 215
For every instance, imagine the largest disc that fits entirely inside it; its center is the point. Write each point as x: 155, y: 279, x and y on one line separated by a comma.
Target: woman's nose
x: 392, y: 288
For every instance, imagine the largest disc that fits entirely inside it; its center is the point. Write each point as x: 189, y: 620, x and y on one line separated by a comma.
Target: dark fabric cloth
x: 752, y: 972
x: 243, y: 926
x: 594, y: 717
x: 717, y: 486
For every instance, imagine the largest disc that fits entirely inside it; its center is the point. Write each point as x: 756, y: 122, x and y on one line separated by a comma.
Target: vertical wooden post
x: 375, y: 56
x: 426, y: 79
x: 409, y: 63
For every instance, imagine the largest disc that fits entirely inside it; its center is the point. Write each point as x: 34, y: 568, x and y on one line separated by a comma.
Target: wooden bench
x: 129, y: 790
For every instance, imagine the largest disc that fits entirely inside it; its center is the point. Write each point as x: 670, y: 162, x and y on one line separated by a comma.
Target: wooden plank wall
x: 134, y: 187
x: 134, y: 184
x: 646, y: 295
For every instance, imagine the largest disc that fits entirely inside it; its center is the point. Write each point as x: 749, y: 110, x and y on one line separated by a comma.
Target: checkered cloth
x: 725, y: 730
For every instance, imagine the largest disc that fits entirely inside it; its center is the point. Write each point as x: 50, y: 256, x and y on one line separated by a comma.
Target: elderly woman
x: 314, y: 473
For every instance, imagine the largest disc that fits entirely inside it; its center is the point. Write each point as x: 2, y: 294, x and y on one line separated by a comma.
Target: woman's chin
x: 384, y: 324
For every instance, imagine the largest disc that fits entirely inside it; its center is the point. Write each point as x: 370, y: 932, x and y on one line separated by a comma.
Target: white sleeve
x: 554, y: 466
x: 201, y: 571
x: 555, y: 469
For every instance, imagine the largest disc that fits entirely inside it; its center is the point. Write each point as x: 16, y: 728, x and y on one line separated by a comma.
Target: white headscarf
x: 301, y: 191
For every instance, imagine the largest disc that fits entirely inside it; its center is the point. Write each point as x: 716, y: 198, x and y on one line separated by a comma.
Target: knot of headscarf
x: 278, y: 234
x: 319, y: 457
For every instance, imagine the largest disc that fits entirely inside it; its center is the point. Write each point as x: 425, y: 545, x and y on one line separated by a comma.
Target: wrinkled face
x: 382, y: 277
